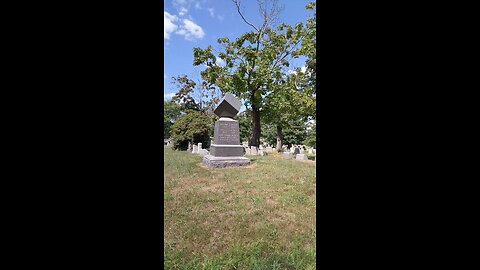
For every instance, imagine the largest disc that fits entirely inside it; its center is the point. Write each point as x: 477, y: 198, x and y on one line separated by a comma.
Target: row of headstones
x: 167, y: 142
x: 257, y: 151
x: 289, y: 155
x: 197, y: 149
x: 294, y: 149
x: 300, y: 150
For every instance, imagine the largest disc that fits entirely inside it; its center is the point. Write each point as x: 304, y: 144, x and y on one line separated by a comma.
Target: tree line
x: 280, y: 103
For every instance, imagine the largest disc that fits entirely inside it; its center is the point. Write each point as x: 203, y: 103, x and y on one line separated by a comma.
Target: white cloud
x: 190, y: 30
x: 168, y: 96
x: 212, y: 11
x: 302, y: 70
x: 220, y: 17
x: 168, y: 24
x: 197, y: 5
x: 220, y: 61
x: 182, y: 11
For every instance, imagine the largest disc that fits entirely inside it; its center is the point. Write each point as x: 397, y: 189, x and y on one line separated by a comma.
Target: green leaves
x: 310, y: 5
x: 256, y: 70
x: 193, y: 126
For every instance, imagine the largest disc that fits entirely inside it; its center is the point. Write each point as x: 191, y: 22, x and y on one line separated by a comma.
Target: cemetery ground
x: 261, y: 216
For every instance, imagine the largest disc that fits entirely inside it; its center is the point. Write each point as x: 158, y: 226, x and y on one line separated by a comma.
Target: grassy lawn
x: 256, y: 217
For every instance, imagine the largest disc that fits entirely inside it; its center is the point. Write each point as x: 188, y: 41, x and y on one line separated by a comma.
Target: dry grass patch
x: 239, y: 217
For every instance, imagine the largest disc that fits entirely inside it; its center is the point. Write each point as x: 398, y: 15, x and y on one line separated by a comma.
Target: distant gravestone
x: 287, y: 155
x: 310, y: 151
x: 254, y: 150
x: 301, y: 157
x: 248, y: 151
x: 226, y: 150
x: 199, y: 146
x: 262, y: 153
x: 269, y: 149
x: 203, y: 152
x: 296, y: 151
x: 195, y: 149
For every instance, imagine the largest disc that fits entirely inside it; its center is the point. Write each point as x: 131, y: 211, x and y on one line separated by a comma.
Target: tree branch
x: 237, y: 3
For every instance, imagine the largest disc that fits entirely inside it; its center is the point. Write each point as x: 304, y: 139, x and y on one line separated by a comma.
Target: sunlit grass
x: 256, y: 217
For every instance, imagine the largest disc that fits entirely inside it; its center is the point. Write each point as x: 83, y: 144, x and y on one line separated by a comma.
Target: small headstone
x: 254, y: 151
x: 195, y: 149
x: 262, y: 153
x: 287, y: 155
x: 310, y: 151
x: 296, y: 151
x: 248, y: 151
x: 203, y: 152
x: 269, y: 149
x: 199, y: 146
x: 301, y: 157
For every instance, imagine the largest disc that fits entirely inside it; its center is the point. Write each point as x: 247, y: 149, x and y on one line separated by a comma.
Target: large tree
x: 171, y: 111
x: 309, y: 48
x: 293, y: 98
x: 252, y: 61
x: 288, y: 103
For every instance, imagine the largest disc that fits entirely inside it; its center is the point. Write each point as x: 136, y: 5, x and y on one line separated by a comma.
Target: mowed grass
x: 256, y: 217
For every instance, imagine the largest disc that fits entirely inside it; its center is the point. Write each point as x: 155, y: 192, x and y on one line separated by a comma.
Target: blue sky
x: 199, y: 23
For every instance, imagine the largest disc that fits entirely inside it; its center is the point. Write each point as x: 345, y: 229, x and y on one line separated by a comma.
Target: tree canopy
x: 256, y: 70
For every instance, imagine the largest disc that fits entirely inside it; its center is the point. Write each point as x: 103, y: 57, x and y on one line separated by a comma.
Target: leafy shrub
x: 194, y: 127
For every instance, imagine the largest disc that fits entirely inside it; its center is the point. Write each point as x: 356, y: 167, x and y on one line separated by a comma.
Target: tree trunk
x: 255, y: 137
x: 279, y: 139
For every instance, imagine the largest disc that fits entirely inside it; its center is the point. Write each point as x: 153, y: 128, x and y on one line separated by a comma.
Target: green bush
x: 194, y: 127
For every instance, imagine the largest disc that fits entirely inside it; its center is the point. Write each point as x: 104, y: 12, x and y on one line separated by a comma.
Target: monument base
x: 222, y: 162
x: 226, y: 150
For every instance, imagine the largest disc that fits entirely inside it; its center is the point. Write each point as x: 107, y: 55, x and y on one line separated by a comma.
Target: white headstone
x: 195, y: 149
x: 301, y: 157
x: 203, y: 152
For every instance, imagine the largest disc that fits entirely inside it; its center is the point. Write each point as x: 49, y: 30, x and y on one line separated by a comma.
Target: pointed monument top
x: 228, y: 106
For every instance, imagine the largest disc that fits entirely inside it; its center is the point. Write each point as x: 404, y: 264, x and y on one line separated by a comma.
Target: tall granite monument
x: 226, y: 149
